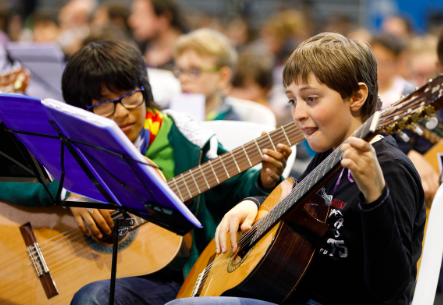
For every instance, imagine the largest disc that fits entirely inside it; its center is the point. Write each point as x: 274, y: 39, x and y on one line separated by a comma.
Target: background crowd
x: 407, y: 55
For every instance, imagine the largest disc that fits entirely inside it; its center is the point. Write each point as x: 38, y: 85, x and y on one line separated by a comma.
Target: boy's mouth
x: 126, y: 127
x: 309, y: 130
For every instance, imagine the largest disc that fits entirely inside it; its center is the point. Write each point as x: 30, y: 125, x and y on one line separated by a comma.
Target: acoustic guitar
x: 58, y: 260
x: 276, y: 253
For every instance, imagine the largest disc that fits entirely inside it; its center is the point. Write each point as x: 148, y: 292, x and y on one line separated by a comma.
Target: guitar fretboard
x: 210, y: 174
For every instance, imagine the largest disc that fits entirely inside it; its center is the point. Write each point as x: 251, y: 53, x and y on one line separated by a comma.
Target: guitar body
x: 73, y: 259
x: 269, y: 271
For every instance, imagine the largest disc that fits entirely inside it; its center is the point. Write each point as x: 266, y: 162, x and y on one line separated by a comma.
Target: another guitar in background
x: 14, y: 79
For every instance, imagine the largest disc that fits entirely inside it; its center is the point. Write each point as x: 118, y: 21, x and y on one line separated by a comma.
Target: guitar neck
x: 311, y: 183
x: 210, y: 174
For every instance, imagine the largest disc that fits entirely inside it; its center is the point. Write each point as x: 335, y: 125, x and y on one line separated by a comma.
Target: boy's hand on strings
x: 273, y: 164
x: 242, y: 214
x: 360, y: 158
x: 93, y: 217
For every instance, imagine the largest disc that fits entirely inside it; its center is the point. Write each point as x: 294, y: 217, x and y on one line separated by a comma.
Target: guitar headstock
x: 15, y: 79
x: 413, y: 107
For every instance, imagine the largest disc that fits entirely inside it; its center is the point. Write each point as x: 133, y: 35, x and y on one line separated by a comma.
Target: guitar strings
x: 230, y: 166
x: 63, y: 237
x: 211, y: 267
x: 227, y: 160
x: 66, y: 234
x: 66, y: 237
x: 270, y: 218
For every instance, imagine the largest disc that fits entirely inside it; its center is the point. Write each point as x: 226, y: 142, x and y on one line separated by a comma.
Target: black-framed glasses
x: 193, y: 73
x: 130, y: 100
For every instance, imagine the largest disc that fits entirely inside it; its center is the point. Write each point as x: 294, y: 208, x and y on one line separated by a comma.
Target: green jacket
x: 190, y: 148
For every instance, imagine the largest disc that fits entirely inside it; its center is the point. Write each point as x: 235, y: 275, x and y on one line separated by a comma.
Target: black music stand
x: 90, y: 155
x: 18, y: 164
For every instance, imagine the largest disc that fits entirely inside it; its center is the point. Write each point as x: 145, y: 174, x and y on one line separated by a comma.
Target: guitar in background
x: 14, y: 80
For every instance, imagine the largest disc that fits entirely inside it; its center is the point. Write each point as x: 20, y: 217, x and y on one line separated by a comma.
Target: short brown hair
x: 339, y: 63
x: 255, y: 65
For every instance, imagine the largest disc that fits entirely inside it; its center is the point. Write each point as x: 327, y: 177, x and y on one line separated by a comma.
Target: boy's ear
x: 359, y: 97
x: 225, y: 77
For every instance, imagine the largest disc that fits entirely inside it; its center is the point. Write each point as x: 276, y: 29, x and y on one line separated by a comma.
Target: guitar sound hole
x: 238, y: 258
x: 109, y: 239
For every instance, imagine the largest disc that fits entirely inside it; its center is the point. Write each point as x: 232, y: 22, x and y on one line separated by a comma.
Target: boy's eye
x: 311, y: 99
x: 292, y: 101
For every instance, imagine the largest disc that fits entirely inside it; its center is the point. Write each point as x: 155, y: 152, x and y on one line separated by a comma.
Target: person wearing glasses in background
x: 205, y: 63
x: 110, y: 79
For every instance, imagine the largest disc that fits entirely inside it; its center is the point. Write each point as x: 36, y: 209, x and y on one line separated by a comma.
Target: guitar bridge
x: 38, y: 261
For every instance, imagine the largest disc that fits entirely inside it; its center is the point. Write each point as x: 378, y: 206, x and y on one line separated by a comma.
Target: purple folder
x: 106, y: 151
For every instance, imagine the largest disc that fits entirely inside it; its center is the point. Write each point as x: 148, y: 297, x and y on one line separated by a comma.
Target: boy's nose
x: 299, y: 113
x: 120, y: 111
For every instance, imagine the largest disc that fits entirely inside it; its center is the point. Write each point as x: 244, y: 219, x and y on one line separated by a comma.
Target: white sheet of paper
x: 190, y: 103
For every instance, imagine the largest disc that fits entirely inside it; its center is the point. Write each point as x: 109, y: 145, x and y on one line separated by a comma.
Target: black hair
x: 113, y: 64
x: 170, y: 7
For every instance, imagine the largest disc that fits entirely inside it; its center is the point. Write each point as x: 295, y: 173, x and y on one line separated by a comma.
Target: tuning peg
x: 417, y: 129
x: 403, y: 136
x: 431, y: 123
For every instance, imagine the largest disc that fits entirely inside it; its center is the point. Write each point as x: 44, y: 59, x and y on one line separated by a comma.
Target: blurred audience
x: 156, y: 25
x: 398, y: 26
x: 112, y: 12
x: 74, y: 24
x: 421, y: 56
x: 391, y: 86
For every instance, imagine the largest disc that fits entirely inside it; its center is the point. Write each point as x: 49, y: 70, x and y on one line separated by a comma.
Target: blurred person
x: 109, y: 32
x: 360, y: 34
x: 253, y: 79
x: 156, y: 25
x: 46, y: 28
x: 398, y: 26
x: 112, y: 12
x: 392, y: 86
x: 282, y: 33
x: 205, y: 63
x: 387, y: 49
x: 340, y: 24
x: 74, y: 24
x: 4, y: 21
x: 238, y: 32
x: 421, y: 57
x: 279, y: 36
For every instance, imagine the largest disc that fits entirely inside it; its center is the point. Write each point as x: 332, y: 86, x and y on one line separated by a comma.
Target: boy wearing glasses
x: 110, y: 79
x: 205, y: 63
